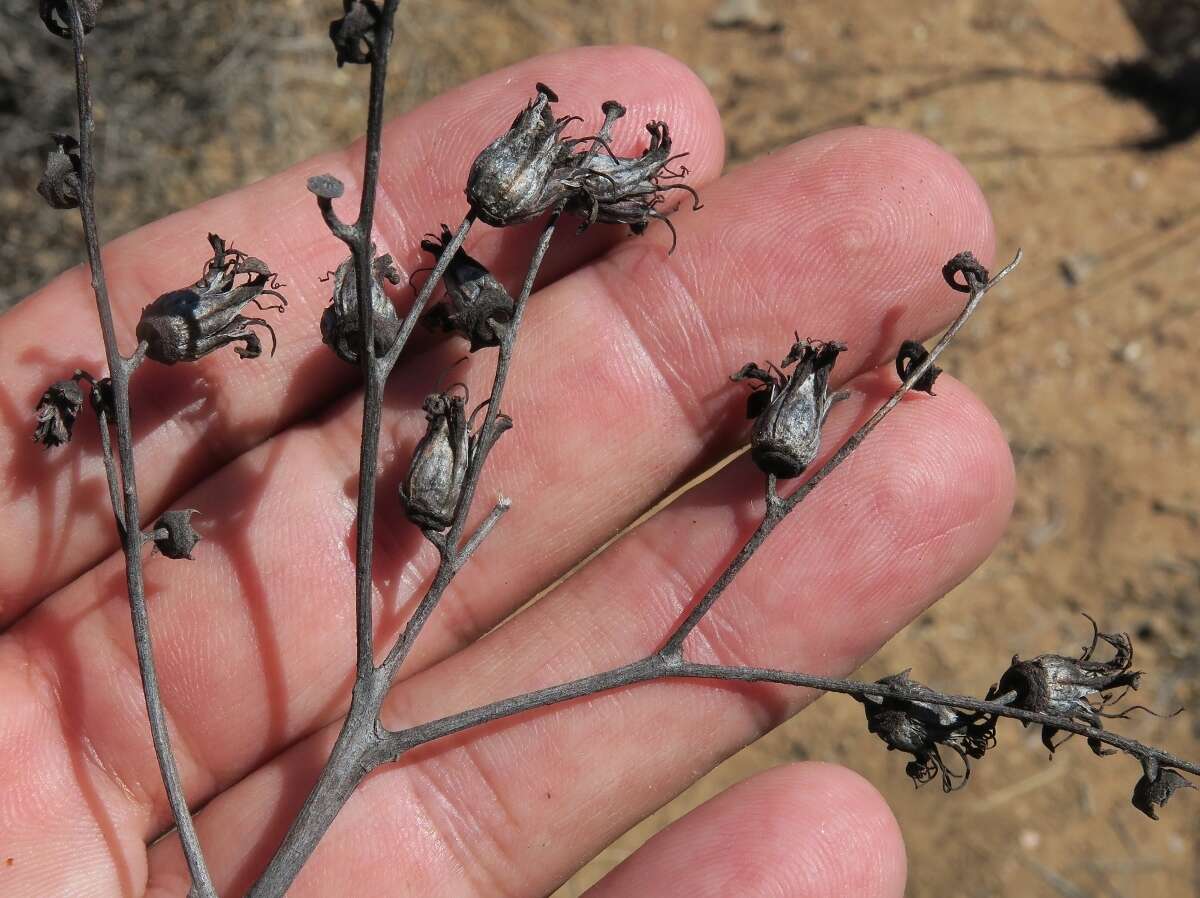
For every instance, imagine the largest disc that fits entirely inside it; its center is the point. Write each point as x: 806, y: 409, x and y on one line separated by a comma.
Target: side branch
x: 661, y: 667
x: 120, y: 370
x: 778, y: 508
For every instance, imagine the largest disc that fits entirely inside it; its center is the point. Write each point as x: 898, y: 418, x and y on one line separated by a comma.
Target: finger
x: 892, y: 530
x: 192, y: 418
x: 800, y: 831
x: 581, y: 461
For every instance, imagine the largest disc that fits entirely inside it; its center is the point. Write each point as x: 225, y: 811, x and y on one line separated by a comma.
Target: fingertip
x: 802, y: 830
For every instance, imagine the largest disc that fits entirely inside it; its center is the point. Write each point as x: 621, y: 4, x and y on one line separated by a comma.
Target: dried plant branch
x: 531, y: 172
x: 120, y: 371
x: 777, y: 509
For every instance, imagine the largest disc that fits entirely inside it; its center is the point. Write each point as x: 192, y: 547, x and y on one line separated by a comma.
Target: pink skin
x: 619, y: 391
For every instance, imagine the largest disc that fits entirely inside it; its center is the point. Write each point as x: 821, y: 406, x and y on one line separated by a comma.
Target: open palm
x: 619, y: 392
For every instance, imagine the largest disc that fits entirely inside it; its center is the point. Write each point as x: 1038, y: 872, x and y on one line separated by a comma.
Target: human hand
x: 619, y: 391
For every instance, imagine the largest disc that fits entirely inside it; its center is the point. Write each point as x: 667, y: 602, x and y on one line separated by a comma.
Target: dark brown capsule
x: 59, y: 185
x: 918, y: 728
x: 56, y: 413
x: 353, y: 35
x: 1156, y: 786
x: 790, y: 408
x: 185, y: 325
x: 475, y: 301
x: 56, y: 15
x: 173, y: 533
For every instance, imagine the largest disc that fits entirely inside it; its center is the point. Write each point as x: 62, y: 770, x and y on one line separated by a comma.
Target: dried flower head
x: 965, y: 263
x: 1156, y: 786
x: 56, y: 413
x: 527, y: 169
x: 475, y: 301
x: 909, y: 358
x: 439, y: 465
x: 173, y: 533
x: 60, y: 182
x: 339, y: 322
x: 628, y: 190
x: 1076, y: 688
x: 353, y: 35
x: 185, y: 325
x: 789, y: 409
x: 431, y: 490
x: 56, y: 15
x: 918, y: 727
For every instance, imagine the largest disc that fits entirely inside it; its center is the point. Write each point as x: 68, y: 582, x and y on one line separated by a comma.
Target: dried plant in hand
x: 533, y: 171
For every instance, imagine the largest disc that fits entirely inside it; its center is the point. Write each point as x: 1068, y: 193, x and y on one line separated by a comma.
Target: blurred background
x: 1079, y: 119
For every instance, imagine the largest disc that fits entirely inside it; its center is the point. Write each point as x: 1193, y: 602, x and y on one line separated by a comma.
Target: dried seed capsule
x: 474, y: 298
x: 918, y: 727
x: 969, y: 267
x: 59, y: 185
x: 1156, y: 786
x: 439, y: 465
x: 1066, y: 687
x: 623, y: 190
x: 56, y: 413
x: 526, y: 170
x: 57, y: 17
x: 911, y: 355
x: 353, y: 35
x: 339, y: 322
x: 790, y: 409
x: 174, y: 535
x: 185, y: 325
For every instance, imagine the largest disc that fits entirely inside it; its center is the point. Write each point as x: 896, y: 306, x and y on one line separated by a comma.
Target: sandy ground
x: 1085, y: 357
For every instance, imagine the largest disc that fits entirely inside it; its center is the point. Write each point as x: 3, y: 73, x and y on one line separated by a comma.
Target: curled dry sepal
x: 57, y: 16
x: 919, y: 727
x: 59, y: 185
x: 475, y: 300
x: 434, y: 484
x: 532, y: 167
x: 909, y: 358
x: 339, y: 322
x: 185, y: 325
x: 789, y: 409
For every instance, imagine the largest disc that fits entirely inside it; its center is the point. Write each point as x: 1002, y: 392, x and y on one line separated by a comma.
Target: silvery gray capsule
x: 790, y: 408
x: 339, y: 321
x: 185, y: 325
x: 1076, y: 688
x: 439, y: 465
x: 526, y: 170
x: 474, y: 298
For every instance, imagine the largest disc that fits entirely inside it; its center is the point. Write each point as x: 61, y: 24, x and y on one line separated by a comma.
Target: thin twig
x: 777, y: 509
x: 664, y: 667
x: 120, y: 371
